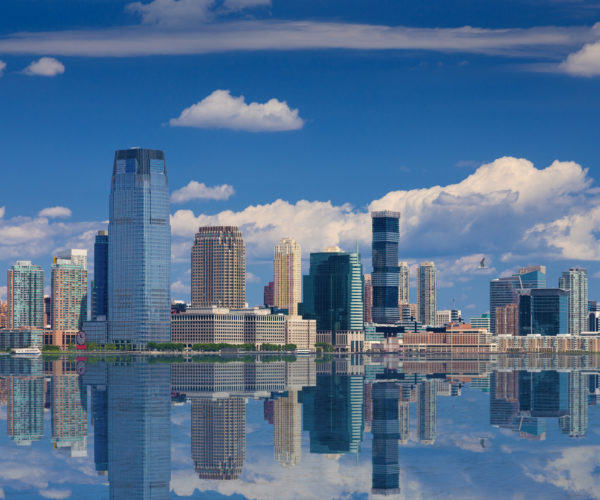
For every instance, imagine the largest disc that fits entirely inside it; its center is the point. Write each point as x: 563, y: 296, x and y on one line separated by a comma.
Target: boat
x: 27, y: 351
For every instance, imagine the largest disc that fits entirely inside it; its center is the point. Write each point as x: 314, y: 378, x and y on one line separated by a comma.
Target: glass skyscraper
x: 575, y: 281
x: 333, y: 291
x: 100, y: 283
x: 386, y: 271
x: 543, y: 311
x: 139, y: 249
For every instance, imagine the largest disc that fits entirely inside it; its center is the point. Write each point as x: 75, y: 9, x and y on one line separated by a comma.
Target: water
x: 350, y: 427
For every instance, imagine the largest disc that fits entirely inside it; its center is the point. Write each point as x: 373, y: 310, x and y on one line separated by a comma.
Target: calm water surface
x: 350, y: 427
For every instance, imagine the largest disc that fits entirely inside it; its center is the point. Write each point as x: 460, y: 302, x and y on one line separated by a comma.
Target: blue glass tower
x: 386, y: 271
x: 100, y: 284
x: 543, y: 311
x: 139, y: 250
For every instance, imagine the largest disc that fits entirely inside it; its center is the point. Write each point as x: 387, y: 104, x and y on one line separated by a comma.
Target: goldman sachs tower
x: 386, y: 272
x: 139, y: 250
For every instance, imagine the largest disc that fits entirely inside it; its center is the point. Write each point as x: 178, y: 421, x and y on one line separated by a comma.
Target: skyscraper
x: 69, y: 300
x: 426, y: 293
x: 100, y: 283
x: 333, y: 291
x: 543, y: 311
x: 404, y: 287
x: 78, y: 256
x: 139, y: 249
x: 219, y: 267
x: 507, y: 320
x: 575, y: 281
x: 287, y: 275
x: 386, y: 272
x: 25, y: 292
x: 532, y: 277
x: 368, y: 299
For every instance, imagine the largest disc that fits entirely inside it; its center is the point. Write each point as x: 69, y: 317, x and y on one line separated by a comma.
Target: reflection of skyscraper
x: 404, y: 419
x: 219, y: 437
x: 139, y: 249
x: 426, y: 412
x: 543, y: 394
x: 333, y: 412
x: 100, y: 423
x: 386, y: 433
x: 25, y: 412
x: 69, y: 414
x: 287, y: 429
x: 404, y: 283
x: 576, y: 422
x: 139, y: 425
x: 368, y: 298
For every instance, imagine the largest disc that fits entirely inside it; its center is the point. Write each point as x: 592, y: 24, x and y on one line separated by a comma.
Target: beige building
x: 287, y: 275
x: 426, y: 293
x: 507, y: 319
x: 218, y: 267
x: 302, y: 332
x: 69, y: 300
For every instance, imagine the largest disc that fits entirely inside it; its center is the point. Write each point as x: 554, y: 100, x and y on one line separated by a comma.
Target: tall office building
x: 25, y: 294
x: 218, y: 437
x: 575, y: 281
x: 333, y: 291
x: 69, y: 300
x: 368, y: 299
x: 504, y: 291
x: 219, y: 268
x: 287, y: 275
x: 139, y: 249
x: 386, y: 272
x: 100, y: 283
x: 543, y: 311
x: 404, y: 286
x: 287, y: 429
x: 426, y: 293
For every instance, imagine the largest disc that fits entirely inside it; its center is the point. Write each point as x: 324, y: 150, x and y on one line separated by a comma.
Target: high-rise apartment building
x: 333, y: 291
x: 69, y: 300
x: 100, y: 283
x: 368, y: 299
x: 575, y: 281
x: 386, y: 271
x: 78, y: 256
x: 219, y: 268
x: 25, y: 293
x: 404, y: 286
x: 426, y: 293
x: 139, y: 249
x: 287, y: 275
x: 507, y: 320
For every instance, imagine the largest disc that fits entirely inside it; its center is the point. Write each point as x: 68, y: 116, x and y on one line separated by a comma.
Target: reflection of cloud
x: 55, y: 493
x: 575, y: 471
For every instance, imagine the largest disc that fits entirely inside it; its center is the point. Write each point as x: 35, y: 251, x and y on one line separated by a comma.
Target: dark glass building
x: 139, y: 250
x: 386, y: 271
x: 333, y: 291
x: 100, y: 283
x: 543, y: 311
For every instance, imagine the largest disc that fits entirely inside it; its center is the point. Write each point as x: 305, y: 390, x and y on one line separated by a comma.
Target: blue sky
x: 346, y: 106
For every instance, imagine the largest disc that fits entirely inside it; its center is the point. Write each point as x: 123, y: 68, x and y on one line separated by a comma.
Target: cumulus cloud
x: 45, y: 66
x: 184, y: 12
x: 584, y: 62
x: 221, y: 110
x: 55, y: 212
x: 200, y: 191
x: 2, y: 67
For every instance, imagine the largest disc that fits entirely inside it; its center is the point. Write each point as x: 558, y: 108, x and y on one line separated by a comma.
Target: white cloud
x: 2, y: 67
x: 179, y: 287
x: 584, y: 62
x: 172, y: 13
x: 221, y: 110
x: 252, y: 278
x: 45, y: 66
x: 55, y: 212
x: 55, y: 493
x: 2, y: 212
x: 200, y: 191
x: 547, y: 42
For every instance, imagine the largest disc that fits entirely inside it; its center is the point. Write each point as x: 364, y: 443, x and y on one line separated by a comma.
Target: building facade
x: 426, y: 293
x: 368, y: 299
x: 482, y: 321
x: 575, y: 281
x: 287, y: 275
x: 139, y: 249
x: 268, y: 297
x: 100, y: 283
x: 218, y: 267
x: 404, y: 287
x: 507, y: 320
x: 25, y: 295
x: 69, y: 300
x: 386, y: 271
x: 543, y: 311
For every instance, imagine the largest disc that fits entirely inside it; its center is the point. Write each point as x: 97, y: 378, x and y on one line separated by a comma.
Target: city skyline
x: 350, y: 118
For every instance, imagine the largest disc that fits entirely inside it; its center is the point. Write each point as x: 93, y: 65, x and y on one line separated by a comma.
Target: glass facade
x: 139, y: 249
x: 100, y: 284
x: 333, y: 292
x: 25, y: 292
x: 543, y: 311
x: 575, y: 281
x: 386, y: 271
